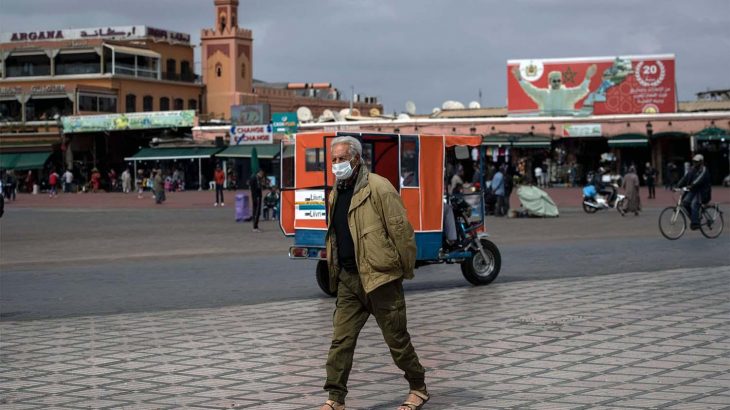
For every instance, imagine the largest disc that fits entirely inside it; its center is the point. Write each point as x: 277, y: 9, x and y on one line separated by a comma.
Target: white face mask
x: 342, y: 170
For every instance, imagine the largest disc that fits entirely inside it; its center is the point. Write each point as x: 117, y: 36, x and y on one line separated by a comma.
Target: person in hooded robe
x: 630, y: 185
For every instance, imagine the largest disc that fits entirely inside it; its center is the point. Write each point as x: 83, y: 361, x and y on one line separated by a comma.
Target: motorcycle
x: 593, y: 201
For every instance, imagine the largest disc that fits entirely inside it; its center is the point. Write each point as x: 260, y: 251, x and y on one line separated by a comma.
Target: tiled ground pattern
x: 628, y: 341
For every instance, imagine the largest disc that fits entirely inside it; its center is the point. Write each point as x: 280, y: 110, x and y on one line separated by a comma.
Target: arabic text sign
x: 109, y: 33
x: 619, y: 85
x: 251, y: 134
x: 284, y: 122
x: 128, y: 121
x: 309, y: 204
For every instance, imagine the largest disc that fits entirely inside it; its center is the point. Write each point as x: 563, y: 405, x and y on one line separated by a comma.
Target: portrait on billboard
x: 571, y: 86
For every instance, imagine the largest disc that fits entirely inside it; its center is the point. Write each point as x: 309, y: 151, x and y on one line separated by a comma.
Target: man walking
x: 68, y: 180
x: 220, y: 179
x: 498, y: 191
x: 256, y: 185
x: 126, y: 181
x: 370, y: 250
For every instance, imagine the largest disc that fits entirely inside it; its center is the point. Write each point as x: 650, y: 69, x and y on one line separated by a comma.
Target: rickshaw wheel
x: 323, y: 278
x: 478, y: 271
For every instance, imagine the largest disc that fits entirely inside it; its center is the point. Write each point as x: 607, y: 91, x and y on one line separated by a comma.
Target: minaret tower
x: 227, y: 61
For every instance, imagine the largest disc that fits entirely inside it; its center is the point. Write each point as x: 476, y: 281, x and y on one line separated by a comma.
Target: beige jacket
x: 385, y: 245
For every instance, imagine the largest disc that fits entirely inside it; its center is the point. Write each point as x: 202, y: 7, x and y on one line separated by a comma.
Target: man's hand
x: 591, y: 72
x: 516, y: 73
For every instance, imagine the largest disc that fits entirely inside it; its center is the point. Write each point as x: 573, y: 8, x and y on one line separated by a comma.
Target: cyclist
x: 697, y: 180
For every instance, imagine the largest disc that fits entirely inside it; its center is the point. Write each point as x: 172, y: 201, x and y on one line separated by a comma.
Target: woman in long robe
x: 630, y: 184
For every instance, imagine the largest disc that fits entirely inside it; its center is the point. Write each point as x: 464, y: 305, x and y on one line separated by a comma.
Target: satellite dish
x: 345, y: 111
x: 355, y: 112
x: 474, y: 105
x: 374, y: 112
x: 452, y: 105
x: 304, y: 114
x: 404, y: 117
x: 410, y: 107
x: 436, y: 110
x: 339, y: 117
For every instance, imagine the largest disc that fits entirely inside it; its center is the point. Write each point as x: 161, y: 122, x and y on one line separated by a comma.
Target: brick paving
x: 631, y: 341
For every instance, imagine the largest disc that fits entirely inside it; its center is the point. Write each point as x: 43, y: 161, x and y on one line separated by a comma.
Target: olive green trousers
x: 352, y: 310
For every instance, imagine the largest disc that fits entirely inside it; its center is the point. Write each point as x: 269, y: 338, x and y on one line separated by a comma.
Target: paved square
x: 635, y: 340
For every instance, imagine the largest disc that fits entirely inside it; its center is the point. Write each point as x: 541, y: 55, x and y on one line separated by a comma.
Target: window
x: 185, y: 72
x: 97, y: 103
x: 44, y: 109
x: 147, y: 103
x: 77, y: 63
x: 179, y: 104
x: 218, y: 70
x: 171, y: 66
x: 164, y: 104
x: 314, y: 159
x: 28, y: 65
x: 243, y: 70
x: 287, y: 166
x: 192, y: 104
x: 409, y: 160
x: 130, y: 103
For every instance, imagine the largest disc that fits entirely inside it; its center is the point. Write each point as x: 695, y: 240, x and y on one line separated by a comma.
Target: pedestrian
x: 29, y: 181
x: 256, y: 185
x: 11, y: 185
x: 112, y: 180
x: 126, y: 181
x: 650, y: 179
x: 509, y: 179
x: 371, y: 248
x: 95, y: 180
x: 158, y: 187
x: 68, y: 180
x: 220, y: 178
x: 538, y: 176
x: 52, y: 183
x: 271, y: 204
x: 498, y: 191
x: 140, y: 183
x: 630, y: 185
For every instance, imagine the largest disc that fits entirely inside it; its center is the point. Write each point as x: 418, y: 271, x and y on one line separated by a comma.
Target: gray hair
x: 354, y: 143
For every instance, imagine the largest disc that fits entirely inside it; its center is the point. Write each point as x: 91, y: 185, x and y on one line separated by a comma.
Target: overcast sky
x: 427, y: 51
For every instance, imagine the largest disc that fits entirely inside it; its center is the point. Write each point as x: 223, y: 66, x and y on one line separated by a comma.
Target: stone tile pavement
x: 634, y: 340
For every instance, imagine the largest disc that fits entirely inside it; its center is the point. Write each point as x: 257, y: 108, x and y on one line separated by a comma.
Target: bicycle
x: 673, y: 219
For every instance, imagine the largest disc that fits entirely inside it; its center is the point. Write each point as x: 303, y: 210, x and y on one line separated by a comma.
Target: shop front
x: 714, y: 144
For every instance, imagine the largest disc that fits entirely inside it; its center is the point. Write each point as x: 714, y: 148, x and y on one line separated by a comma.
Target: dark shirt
x: 345, y: 245
x: 256, y: 186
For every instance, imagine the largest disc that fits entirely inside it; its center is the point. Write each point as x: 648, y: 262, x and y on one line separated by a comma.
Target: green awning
x: 712, y: 134
x: 628, y: 140
x: 516, y: 141
x: 24, y: 160
x: 160, y: 154
x: 264, y: 151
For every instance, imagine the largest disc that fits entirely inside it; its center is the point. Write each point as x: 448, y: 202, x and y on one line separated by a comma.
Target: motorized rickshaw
x: 415, y: 165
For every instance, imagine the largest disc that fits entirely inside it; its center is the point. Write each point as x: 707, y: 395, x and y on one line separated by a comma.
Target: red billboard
x: 591, y: 86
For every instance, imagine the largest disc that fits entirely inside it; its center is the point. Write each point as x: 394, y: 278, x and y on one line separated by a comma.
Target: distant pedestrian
x: 52, y: 183
x: 95, y: 180
x: 68, y: 180
x: 112, y: 180
x: 271, y: 204
x: 159, y: 188
x: 140, y: 183
x: 29, y: 181
x: 256, y: 185
x: 538, y: 176
x: 126, y: 181
x: 498, y: 190
x: 220, y: 178
x: 650, y: 179
x: 631, y: 185
x: 11, y: 185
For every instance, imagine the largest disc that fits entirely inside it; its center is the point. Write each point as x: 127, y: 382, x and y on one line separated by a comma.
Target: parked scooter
x: 593, y: 201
